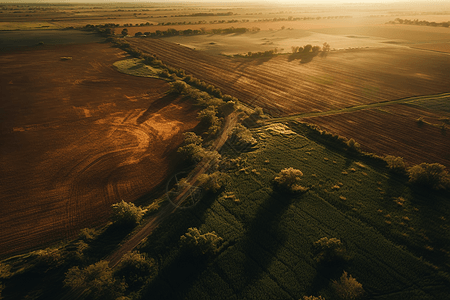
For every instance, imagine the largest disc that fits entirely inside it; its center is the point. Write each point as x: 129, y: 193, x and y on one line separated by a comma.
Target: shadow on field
x: 326, y: 273
x: 178, y: 270
x: 107, y: 241
x: 156, y: 106
x: 264, y: 237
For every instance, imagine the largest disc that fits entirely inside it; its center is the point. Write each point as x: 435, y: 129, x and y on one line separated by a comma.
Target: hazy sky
x: 225, y: 1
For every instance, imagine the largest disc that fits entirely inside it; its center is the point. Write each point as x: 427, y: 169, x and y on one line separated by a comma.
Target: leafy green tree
x: 97, y: 281
x: 126, y: 213
x: 395, y: 164
x: 329, y: 250
x: 347, y: 288
x: 200, y: 244
x: 179, y: 87
x: 136, y: 269
x: 288, y: 179
x: 125, y: 32
x: 192, y: 138
x: 434, y: 176
x: 211, y: 182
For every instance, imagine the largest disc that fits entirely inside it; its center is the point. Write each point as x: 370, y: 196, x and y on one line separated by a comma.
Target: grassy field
x: 399, y: 251
x: 136, y: 67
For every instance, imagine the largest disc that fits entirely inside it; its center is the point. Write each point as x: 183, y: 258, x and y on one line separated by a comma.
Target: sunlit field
x: 197, y: 150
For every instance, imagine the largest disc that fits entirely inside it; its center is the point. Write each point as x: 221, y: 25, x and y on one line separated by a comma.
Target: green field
x: 136, y: 67
x: 400, y: 251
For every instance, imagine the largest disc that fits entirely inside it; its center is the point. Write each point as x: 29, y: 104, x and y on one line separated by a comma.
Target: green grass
x: 267, y: 254
x: 136, y: 67
x: 397, y: 235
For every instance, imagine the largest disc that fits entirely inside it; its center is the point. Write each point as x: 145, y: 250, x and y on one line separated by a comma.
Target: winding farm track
x: 192, y: 181
x: 341, y: 79
x: 77, y: 136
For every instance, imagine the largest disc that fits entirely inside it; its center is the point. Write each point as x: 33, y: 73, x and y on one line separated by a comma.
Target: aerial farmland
x: 236, y: 150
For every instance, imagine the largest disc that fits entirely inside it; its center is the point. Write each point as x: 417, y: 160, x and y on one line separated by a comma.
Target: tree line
x: 421, y: 23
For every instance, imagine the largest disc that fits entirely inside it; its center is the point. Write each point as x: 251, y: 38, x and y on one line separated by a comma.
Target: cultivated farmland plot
x: 77, y: 136
x: 284, y: 86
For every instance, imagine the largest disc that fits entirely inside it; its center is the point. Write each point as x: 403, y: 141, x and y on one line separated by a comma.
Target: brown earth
x: 439, y: 47
x: 394, y: 130
x: 341, y: 79
x: 77, y: 136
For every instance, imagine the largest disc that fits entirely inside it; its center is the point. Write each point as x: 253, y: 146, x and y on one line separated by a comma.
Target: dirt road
x: 191, y: 181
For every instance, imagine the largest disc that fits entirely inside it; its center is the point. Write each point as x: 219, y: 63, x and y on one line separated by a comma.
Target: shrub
x: 288, y: 180
x: 242, y: 136
x: 347, y: 287
x: 191, y: 152
x: 395, y: 164
x: 208, y: 115
x: 126, y: 213
x: 329, y: 250
x: 179, y: 87
x: 211, y: 182
x: 48, y: 258
x: 192, y: 138
x: 136, y: 269
x: 95, y: 280
x: 200, y: 244
x: 430, y: 175
x: 88, y: 234
x: 353, y: 145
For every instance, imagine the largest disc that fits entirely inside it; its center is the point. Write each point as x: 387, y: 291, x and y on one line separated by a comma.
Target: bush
x: 208, y: 115
x: 211, y: 182
x: 395, y: 164
x: 87, y: 234
x: 200, y: 244
x: 242, y: 136
x: 179, y: 87
x: 353, y: 145
x: 192, y: 138
x: 136, y: 269
x: 329, y: 250
x: 288, y: 180
x: 48, y: 258
x: 347, y: 287
x: 433, y: 176
x: 95, y: 280
x: 126, y: 213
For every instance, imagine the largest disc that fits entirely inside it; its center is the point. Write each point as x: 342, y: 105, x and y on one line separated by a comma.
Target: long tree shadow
x: 156, y: 106
x: 326, y: 273
x: 263, y: 238
x: 178, y: 270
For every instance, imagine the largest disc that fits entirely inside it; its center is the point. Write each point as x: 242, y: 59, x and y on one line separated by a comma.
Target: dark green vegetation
x: 388, y: 235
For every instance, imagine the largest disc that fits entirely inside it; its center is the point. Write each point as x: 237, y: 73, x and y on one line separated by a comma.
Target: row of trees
x: 421, y: 23
x: 174, y: 32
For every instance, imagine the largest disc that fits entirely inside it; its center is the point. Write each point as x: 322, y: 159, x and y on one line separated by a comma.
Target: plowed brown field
x: 342, y: 79
x: 77, y: 136
x: 393, y: 130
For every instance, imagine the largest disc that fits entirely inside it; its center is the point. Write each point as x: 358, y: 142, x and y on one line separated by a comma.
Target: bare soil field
x: 341, y: 79
x: 77, y: 136
x: 14, y: 40
x: 394, y: 130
